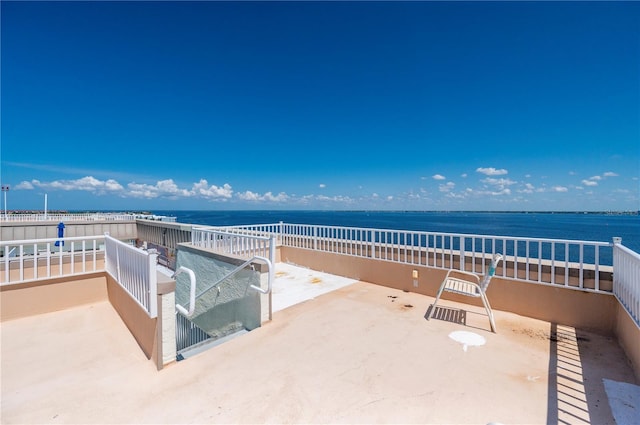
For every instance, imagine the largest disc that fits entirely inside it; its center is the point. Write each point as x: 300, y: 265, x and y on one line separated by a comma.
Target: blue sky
x: 321, y: 105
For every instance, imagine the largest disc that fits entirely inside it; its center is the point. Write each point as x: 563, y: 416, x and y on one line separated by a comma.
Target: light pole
x: 5, y: 189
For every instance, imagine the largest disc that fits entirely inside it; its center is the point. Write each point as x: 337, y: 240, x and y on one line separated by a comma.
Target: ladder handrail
x: 242, y: 266
x: 270, y: 275
x: 192, y: 291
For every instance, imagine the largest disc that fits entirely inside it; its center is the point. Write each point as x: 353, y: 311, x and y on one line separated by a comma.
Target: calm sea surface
x: 587, y: 227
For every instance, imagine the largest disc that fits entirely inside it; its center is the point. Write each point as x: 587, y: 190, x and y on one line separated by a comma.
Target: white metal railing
x: 626, y: 278
x: 269, y: 229
x: 192, y: 291
x: 239, y: 268
x: 83, y: 217
x: 570, y: 263
x: 33, y: 259
x: 134, y: 270
x: 241, y: 243
x: 187, y: 333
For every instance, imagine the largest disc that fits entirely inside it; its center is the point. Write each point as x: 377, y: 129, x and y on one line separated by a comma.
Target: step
x: 210, y: 343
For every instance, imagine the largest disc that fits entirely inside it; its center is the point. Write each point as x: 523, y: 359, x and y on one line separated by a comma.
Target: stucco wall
x: 45, y: 296
x: 13, y: 231
x: 235, y: 306
x: 590, y: 311
x: 142, y: 327
x: 628, y: 334
x: 49, y: 295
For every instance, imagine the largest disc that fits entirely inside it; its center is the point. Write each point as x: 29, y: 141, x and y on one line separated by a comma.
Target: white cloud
x: 463, y: 175
x: 169, y: 188
x: 137, y: 190
x: 498, y: 182
x: 113, y: 186
x: 528, y: 188
x: 280, y: 197
x: 453, y: 195
x: 248, y: 196
x: 203, y: 189
x: 500, y: 192
x: 87, y: 184
x: 447, y: 187
x: 490, y: 171
x: 269, y: 197
x: 163, y: 188
x: 336, y: 199
x: 25, y: 185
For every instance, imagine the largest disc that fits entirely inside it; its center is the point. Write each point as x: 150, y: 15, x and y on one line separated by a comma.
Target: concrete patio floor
x: 362, y: 353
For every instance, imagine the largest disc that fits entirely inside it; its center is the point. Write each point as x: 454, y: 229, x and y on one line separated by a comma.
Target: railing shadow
x: 575, y: 384
x: 456, y: 315
x: 447, y: 314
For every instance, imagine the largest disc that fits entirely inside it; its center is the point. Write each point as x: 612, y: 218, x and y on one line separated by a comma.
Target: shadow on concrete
x: 576, y: 387
x: 469, y: 319
x: 447, y: 314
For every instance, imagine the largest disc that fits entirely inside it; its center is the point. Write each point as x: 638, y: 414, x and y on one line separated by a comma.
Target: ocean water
x: 574, y: 226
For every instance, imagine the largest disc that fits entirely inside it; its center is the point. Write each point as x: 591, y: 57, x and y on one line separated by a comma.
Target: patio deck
x: 362, y: 353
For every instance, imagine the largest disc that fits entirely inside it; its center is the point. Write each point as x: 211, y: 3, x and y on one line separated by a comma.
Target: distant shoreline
x: 327, y: 211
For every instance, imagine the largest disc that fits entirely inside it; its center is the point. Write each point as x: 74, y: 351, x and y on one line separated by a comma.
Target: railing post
x: 153, y: 283
x: 117, y: 249
x: 315, y: 237
x: 463, y: 260
x: 272, y: 249
x: 22, y: 263
x: 35, y: 261
x: 6, y: 263
x: 616, y: 242
x: 372, y: 236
